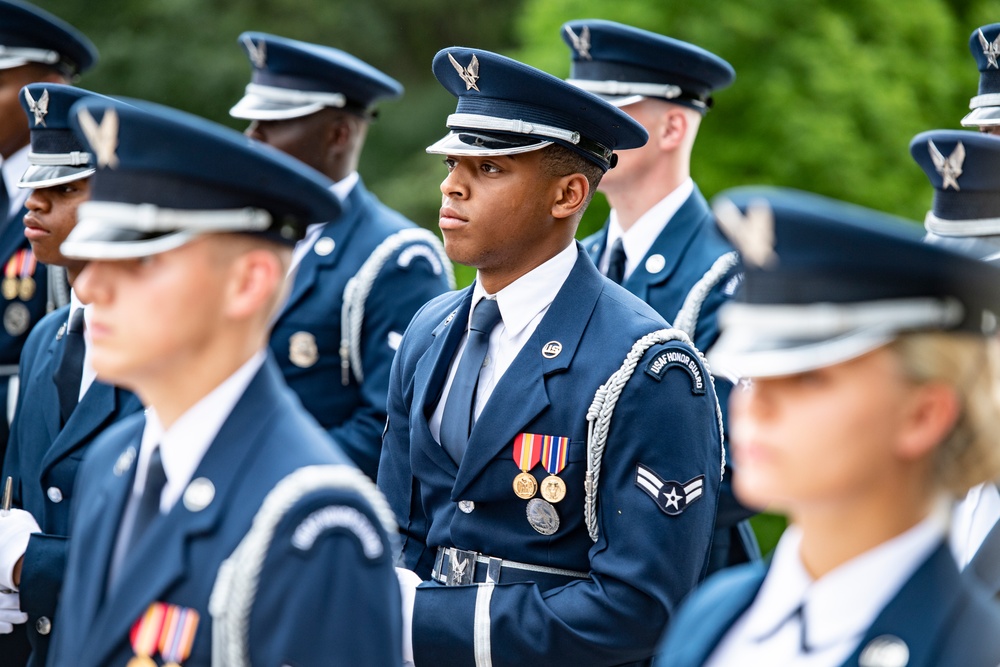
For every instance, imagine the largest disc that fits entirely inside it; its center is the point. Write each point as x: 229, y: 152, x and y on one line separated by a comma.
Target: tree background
x: 828, y: 93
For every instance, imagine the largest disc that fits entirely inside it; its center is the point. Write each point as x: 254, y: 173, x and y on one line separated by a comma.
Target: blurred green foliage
x: 827, y: 96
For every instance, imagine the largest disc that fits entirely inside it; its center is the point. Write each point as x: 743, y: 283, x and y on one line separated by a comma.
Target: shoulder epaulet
x: 422, y: 243
x: 236, y: 583
x: 687, y: 317
x: 603, y: 407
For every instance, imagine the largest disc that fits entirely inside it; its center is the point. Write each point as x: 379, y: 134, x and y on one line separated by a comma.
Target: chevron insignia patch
x: 671, y: 497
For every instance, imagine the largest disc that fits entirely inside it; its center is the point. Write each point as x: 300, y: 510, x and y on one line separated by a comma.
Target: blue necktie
x: 69, y: 372
x: 147, y: 510
x: 4, y: 201
x: 616, y: 262
x: 456, y: 420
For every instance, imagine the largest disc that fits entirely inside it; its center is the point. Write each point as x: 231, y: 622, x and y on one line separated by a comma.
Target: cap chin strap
x: 624, y: 88
x: 987, y: 100
x: 150, y: 218
x: 950, y: 228
x: 74, y: 159
x: 289, y: 96
x: 469, y: 121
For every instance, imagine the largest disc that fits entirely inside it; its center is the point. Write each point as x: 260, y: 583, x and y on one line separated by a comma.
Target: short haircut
x: 559, y: 161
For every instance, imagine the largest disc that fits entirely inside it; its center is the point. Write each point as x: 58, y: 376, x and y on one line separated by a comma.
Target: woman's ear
x: 932, y: 413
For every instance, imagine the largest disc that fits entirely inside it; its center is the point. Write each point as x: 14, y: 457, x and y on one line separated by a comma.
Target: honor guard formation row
x: 252, y: 421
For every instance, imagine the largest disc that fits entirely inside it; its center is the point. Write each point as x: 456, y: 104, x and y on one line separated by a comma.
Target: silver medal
x: 542, y: 516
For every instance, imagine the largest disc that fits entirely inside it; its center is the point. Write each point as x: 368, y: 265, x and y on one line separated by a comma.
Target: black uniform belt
x: 458, y: 567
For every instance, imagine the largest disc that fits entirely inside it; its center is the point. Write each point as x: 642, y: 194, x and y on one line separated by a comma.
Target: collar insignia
x: 950, y: 168
x: 39, y: 108
x: 469, y: 74
x: 990, y: 49
x: 582, y: 42
x: 752, y: 234
x: 102, y: 138
x: 257, y: 52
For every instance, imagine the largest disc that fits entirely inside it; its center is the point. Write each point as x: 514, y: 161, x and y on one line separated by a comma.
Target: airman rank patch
x: 671, y: 497
x: 679, y: 359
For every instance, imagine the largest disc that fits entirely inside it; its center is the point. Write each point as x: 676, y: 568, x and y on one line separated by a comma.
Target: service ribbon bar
x: 528, y: 450
x: 554, y: 453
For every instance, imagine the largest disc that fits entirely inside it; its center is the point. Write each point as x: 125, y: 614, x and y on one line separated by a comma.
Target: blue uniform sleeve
x: 398, y: 292
x: 657, y: 498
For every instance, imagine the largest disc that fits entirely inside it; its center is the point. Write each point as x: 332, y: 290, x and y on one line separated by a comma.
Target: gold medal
x: 27, y: 289
x: 10, y: 288
x: 553, y: 489
x: 171, y: 664
x: 141, y: 661
x: 525, y: 485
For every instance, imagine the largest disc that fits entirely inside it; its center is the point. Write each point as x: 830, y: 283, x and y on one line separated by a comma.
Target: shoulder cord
x: 352, y: 314
x: 603, y: 407
x: 687, y: 317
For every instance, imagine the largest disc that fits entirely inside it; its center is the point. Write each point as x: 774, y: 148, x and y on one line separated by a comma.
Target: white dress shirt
x: 972, y: 520
x: 12, y: 170
x: 342, y: 189
x: 184, y: 444
x: 836, y: 610
x: 522, y: 305
x: 643, y: 233
x: 89, y: 374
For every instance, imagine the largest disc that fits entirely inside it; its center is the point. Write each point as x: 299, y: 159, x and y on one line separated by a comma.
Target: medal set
x: 166, y: 629
x: 551, y: 451
x: 18, y: 280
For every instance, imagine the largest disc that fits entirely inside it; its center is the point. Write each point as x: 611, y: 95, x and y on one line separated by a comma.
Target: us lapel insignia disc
x: 302, y: 349
x: 199, y: 494
x: 655, y: 263
x: 542, y: 516
x: 551, y: 349
x: 885, y: 651
x: 324, y: 246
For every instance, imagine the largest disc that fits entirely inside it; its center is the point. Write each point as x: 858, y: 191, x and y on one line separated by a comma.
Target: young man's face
x: 496, y: 211
x: 51, y: 217
x: 154, y: 317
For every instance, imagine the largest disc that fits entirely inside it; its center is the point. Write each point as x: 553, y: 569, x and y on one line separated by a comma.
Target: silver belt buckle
x: 462, y: 570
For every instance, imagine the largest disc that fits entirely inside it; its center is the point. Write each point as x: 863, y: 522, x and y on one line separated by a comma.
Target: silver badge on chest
x: 542, y: 516
x: 302, y: 349
x: 885, y: 651
x: 16, y: 319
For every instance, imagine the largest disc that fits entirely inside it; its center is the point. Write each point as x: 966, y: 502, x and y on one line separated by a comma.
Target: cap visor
x: 982, y: 116
x: 10, y: 62
x: 481, y: 143
x: 45, y: 176
x: 93, y: 239
x: 750, y: 354
x: 255, y: 107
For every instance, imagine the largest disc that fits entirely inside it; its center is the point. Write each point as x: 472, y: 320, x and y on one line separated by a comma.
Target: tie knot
x: 485, y: 316
x: 76, y: 321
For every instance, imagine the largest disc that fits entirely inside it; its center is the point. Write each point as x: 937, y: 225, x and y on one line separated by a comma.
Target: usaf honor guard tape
x: 236, y: 583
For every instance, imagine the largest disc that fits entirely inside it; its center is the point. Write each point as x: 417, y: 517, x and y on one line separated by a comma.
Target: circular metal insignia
x: 467, y: 506
x: 10, y: 288
x: 553, y: 489
x: 61, y: 332
x: 141, y: 661
x: 542, y: 516
x: 124, y: 461
x: 324, y: 246
x: 302, y: 349
x: 655, y: 263
x: 525, y: 486
x: 54, y: 494
x: 16, y: 319
x: 43, y: 625
x: 551, y: 349
x: 199, y: 494
x: 885, y: 651
x: 27, y: 288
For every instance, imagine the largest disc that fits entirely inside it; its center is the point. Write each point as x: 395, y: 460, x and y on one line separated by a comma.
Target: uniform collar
x: 530, y: 294
x: 842, y: 604
x: 343, y: 187
x: 640, y: 236
x: 185, y: 443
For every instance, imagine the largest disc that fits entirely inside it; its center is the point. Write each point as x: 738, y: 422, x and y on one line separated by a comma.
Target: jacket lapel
x: 669, y: 245
x: 597, y: 243
x: 521, y: 395
x: 47, y: 387
x: 160, y: 558
x: 985, y: 565
x: 94, y: 410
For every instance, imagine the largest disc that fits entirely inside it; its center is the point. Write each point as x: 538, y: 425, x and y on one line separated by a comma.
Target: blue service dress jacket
x: 984, y: 568
x: 333, y: 602
x: 43, y: 460
x: 645, y: 560
x: 941, y: 617
x: 306, y: 338
x: 24, y: 298
x: 689, y: 245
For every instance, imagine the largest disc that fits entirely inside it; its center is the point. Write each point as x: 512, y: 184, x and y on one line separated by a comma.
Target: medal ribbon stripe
x: 178, y: 637
x: 146, y: 631
x: 29, y: 262
x: 10, y: 271
x: 527, y: 450
x: 555, y: 451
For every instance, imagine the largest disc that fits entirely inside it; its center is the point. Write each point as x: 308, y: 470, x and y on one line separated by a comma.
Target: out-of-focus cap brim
x: 470, y: 143
x: 982, y: 116
x: 96, y: 240
x: 255, y: 107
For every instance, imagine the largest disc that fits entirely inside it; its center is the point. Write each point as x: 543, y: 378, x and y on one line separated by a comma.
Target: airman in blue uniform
x: 872, y: 404
x: 553, y: 451
x: 224, y: 500
x: 34, y: 46
x: 360, y: 278
x: 49, y: 436
x: 984, y: 44
x: 661, y: 242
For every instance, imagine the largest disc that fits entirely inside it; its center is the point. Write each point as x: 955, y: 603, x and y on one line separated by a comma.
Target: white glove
x: 408, y: 582
x: 10, y: 612
x: 15, y: 529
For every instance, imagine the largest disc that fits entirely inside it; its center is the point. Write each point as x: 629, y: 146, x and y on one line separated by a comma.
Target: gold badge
x: 141, y: 661
x: 553, y: 489
x: 525, y: 486
x: 10, y: 288
x: 302, y: 349
x: 16, y: 319
x: 27, y: 288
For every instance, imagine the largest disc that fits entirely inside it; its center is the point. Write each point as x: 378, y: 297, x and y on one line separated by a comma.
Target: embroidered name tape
x: 671, y: 497
x: 677, y: 359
